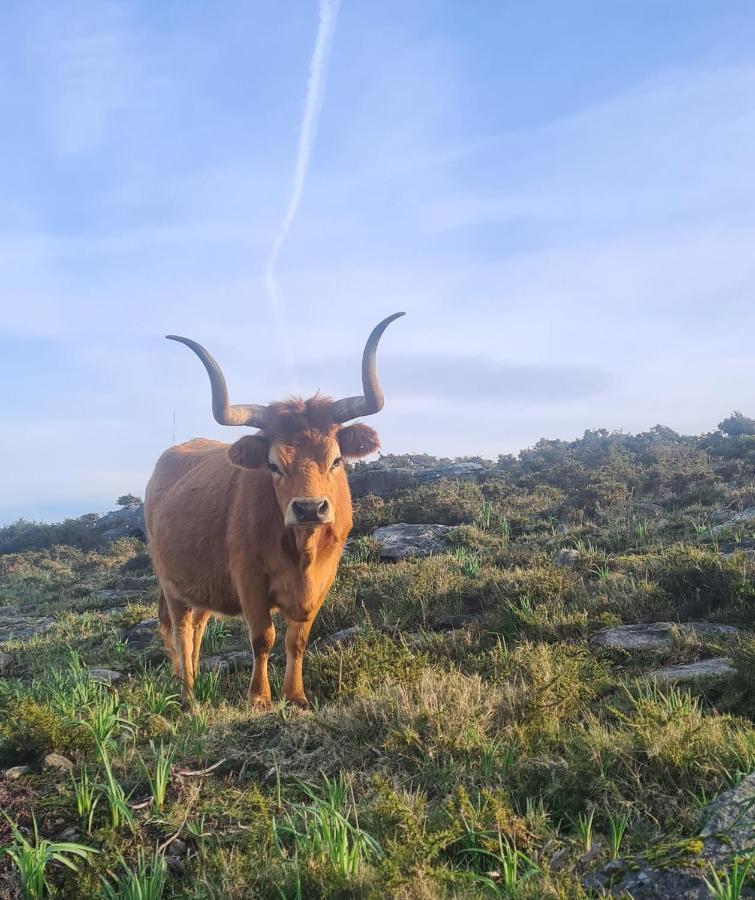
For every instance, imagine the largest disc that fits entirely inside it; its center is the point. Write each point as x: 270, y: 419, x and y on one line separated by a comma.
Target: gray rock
x: 239, y: 659
x: 16, y: 772
x: 732, y: 520
x: 342, y: 637
x: 56, y: 761
x: 68, y: 834
x: 454, y: 622
x: 402, y: 541
x: 657, y: 635
x: 728, y: 831
x: 6, y: 661
x: 121, y: 523
x: 566, y: 558
x: 15, y: 627
x: 141, y: 635
x: 719, y: 667
x: 106, y: 676
x: 383, y: 481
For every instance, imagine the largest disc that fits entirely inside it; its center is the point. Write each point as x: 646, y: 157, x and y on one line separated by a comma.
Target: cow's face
x: 307, y: 469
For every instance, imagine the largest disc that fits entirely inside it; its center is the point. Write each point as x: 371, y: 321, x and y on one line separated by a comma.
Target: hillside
x: 541, y: 685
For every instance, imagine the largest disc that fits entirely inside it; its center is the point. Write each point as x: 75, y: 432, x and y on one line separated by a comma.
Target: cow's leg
x: 200, y: 619
x: 262, y: 636
x: 166, y: 630
x: 183, y: 641
x: 293, y: 681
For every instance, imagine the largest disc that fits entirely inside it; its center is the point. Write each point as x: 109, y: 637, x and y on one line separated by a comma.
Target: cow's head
x: 303, y: 443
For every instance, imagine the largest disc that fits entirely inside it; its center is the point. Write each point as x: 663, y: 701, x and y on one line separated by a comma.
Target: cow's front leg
x: 297, y: 634
x: 262, y: 634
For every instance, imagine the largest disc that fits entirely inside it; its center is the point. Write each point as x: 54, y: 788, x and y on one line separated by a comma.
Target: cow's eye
x: 274, y: 469
x: 337, y: 462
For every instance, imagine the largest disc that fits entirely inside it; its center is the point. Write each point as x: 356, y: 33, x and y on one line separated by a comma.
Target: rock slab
x: 404, y: 541
x: 728, y: 831
x: 14, y: 627
x: 657, y: 635
x: 703, y: 669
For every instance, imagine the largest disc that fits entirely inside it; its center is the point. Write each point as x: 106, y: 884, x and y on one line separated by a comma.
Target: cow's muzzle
x: 309, y: 511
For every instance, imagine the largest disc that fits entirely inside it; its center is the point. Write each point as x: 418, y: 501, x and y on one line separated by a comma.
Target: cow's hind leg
x: 200, y: 619
x: 166, y: 630
x: 182, y: 634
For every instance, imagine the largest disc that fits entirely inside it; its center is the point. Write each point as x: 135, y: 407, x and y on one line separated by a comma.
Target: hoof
x: 259, y: 701
x: 300, y: 702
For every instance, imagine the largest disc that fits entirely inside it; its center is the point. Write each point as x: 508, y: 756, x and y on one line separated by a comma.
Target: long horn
x: 372, y: 400
x: 240, y: 414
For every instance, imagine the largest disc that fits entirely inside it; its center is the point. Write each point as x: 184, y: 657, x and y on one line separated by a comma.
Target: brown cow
x: 257, y: 526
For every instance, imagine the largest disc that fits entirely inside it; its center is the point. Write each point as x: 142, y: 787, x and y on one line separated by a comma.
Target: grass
x: 503, y: 757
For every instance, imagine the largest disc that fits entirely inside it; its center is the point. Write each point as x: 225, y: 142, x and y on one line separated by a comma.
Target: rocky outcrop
x: 17, y: 627
x: 383, y: 481
x: 678, y: 871
x: 702, y: 670
x: 658, y: 635
x: 403, y: 541
x: 122, y: 523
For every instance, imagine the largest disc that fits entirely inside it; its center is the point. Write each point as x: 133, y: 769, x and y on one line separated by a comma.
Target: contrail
x: 318, y: 66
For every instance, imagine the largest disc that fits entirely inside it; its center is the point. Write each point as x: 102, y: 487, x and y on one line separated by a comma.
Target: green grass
x: 433, y: 763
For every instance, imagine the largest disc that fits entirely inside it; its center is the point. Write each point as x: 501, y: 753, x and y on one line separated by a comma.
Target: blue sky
x: 561, y: 195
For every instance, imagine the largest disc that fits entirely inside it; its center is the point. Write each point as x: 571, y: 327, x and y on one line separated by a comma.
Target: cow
x: 257, y: 526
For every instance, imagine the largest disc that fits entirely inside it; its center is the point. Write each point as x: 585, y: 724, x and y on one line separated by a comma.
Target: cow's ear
x: 250, y: 452
x: 358, y: 440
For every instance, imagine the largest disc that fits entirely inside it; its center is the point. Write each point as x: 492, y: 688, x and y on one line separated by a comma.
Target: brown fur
x: 215, y: 518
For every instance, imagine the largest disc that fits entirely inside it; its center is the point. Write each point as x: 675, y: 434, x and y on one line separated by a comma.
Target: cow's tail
x: 166, y: 625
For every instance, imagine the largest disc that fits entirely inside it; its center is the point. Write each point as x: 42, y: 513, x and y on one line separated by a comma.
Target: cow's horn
x: 372, y: 400
x: 240, y: 414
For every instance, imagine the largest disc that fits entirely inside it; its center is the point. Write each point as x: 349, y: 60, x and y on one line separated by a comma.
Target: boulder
x: 106, y: 676
x: 141, y: 635
x: 384, y: 481
x: 703, y: 669
x: 732, y: 520
x: 6, y: 661
x: 58, y: 762
x: 567, y: 559
x: 343, y: 637
x: 657, y: 635
x: 16, y: 772
x: 239, y: 659
x: 14, y: 627
x: 678, y: 870
x: 402, y: 541
x: 122, y: 523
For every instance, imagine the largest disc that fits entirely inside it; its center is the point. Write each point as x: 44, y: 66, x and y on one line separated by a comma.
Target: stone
x: 141, y: 635
x: 6, y: 661
x: 454, y: 622
x: 743, y: 517
x: 657, y: 635
x: 16, y: 772
x: 106, y: 676
x: 239, y: 659
x: 122, y: 523
x: 728, y: 830
x: 342, y: 637
x: 14, y: 627
x: 566, y: 558
x: 56, y: 761
x: 402, y: 541
x: 707, y: 669
x: 68, y: 834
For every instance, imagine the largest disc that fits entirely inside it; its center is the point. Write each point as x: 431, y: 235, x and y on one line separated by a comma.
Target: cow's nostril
x: 322, y: 509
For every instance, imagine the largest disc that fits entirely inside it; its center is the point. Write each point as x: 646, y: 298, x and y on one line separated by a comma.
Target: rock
x: 679, y: 873
x: 744, y: 517
x: 15, y: 627
x: 239, y: 659
x: 141, y: 635
x: 383, y: 481
x: 453, y: 622
x: 567, y: 559
x: 68, y: 834
x: 342, y: 637
x: 6, y: 661
x: 56, y: 761
x: 122, y: 523
x: 657, y: 635
x: 16, y: 772
x: 106, y: 676
x: 402, y: 541
x: 719, y: 667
